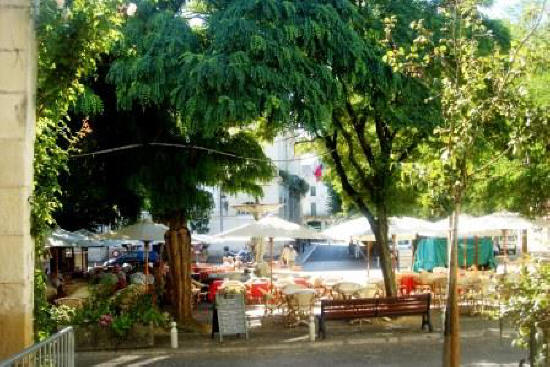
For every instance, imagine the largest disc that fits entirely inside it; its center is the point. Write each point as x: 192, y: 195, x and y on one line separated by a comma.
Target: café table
x: 347, y: 289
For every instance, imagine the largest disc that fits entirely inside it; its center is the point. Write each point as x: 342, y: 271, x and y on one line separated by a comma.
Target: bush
x: 529, y: 302
x: 120, y: 311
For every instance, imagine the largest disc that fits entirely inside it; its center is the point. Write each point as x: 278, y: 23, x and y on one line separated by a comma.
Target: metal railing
x: 56, y: 351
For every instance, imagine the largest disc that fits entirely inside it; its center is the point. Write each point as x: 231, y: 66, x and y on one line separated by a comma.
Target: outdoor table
x: 198, y: 268
x: 347, y: 289
x: 233, y: 275
x: 302, y: 281
x: 370, y: 290
x: 329, y: 284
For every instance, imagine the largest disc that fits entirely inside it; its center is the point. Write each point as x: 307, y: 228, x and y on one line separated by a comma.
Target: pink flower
x: 105, y: 320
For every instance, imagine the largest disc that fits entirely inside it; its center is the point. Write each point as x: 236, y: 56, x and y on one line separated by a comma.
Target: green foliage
x: 334, y: 200
x: 63, y: 315
x: 294, y: 183
x: 43, y: 324
x: 274, y: 60
x: 529, y: 303
x: 70, y: 41
x: 489, y: 119
x: 137, y: 87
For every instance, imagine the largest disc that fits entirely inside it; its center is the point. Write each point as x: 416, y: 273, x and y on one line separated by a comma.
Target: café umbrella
x: 272, y: 227
x: 143, y: 230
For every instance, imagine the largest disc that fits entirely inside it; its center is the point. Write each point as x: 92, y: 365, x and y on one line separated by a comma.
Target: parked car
x: 132, y: 257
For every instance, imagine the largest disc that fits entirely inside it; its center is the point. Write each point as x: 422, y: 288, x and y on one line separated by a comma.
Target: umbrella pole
x: 271, y: 263
x: 505, y: 245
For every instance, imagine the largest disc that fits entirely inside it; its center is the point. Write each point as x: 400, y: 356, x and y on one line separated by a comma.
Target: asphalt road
x: 482, y: 352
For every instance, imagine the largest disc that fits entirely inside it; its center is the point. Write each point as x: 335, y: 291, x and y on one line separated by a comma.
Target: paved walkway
x: 382, y: 343
x: 476, y: 351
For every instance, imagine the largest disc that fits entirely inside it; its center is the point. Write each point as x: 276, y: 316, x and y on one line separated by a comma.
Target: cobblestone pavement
x: 477, y: 351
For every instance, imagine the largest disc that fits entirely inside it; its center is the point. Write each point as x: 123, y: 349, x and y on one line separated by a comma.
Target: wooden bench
x: 418, y: 304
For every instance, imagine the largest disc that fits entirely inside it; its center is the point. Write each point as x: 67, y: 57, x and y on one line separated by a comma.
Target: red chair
x: 407, y: 284
x: 213, y: 289
x: 257, y: 291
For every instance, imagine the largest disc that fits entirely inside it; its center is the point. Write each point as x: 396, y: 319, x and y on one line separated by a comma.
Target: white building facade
x: 308, y: 209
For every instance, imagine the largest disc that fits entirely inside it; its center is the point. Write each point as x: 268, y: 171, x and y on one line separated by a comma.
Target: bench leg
x: 427, y: 322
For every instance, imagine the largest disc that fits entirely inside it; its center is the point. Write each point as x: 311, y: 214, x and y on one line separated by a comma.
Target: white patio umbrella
x: 272, y: 227
x: 143, y: 230
x: 63, y: 238
x: 349, y: 229
x: 487, y: 225
x: 359, y: 228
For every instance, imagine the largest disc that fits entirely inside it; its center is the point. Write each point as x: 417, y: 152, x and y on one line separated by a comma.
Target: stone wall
x: 17, y: 120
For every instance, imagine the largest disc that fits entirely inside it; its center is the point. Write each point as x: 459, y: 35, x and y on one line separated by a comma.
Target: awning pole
x: 476, y: 245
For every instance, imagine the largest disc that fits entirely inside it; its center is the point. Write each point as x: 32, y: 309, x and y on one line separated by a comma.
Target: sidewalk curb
x: 246, y: 346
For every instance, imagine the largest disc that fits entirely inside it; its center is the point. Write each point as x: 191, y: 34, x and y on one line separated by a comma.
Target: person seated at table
x: 120, y: 276
x: 198, y: 284
x: 245, y: 276
x: 57, y: 282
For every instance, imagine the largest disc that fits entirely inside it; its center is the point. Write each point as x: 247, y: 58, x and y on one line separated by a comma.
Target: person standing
x: 291, y: 256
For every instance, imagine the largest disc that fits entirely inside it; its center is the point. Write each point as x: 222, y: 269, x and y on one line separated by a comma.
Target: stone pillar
x: 17, y: 120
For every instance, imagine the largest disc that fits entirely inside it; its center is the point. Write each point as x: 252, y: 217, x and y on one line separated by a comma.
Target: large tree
x: 172, y: 162
x: 317, y: 65
x: 486, y: 114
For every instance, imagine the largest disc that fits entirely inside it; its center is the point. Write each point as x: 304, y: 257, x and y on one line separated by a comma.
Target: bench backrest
x: 408, y: 305
x: 375, y: 307
x: 347, y: 309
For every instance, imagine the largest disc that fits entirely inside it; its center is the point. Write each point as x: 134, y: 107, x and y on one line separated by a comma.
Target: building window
x: 313, y: 211
x: 312, y: 190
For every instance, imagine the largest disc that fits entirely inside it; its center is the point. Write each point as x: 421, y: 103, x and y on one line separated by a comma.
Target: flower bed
x: 111, y: 319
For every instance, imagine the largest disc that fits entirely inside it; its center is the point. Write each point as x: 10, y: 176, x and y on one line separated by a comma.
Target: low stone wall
x: 94, y: 337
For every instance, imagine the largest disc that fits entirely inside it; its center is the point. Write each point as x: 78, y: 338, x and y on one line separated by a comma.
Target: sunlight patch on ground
x: 120, y: 361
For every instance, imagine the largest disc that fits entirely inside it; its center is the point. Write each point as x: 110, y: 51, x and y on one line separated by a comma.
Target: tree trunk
x: 178, y: 246
x: 451, y: 349
x: 380, y: 229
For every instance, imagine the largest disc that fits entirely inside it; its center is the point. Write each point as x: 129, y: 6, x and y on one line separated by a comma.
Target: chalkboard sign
x: 229, y: 315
